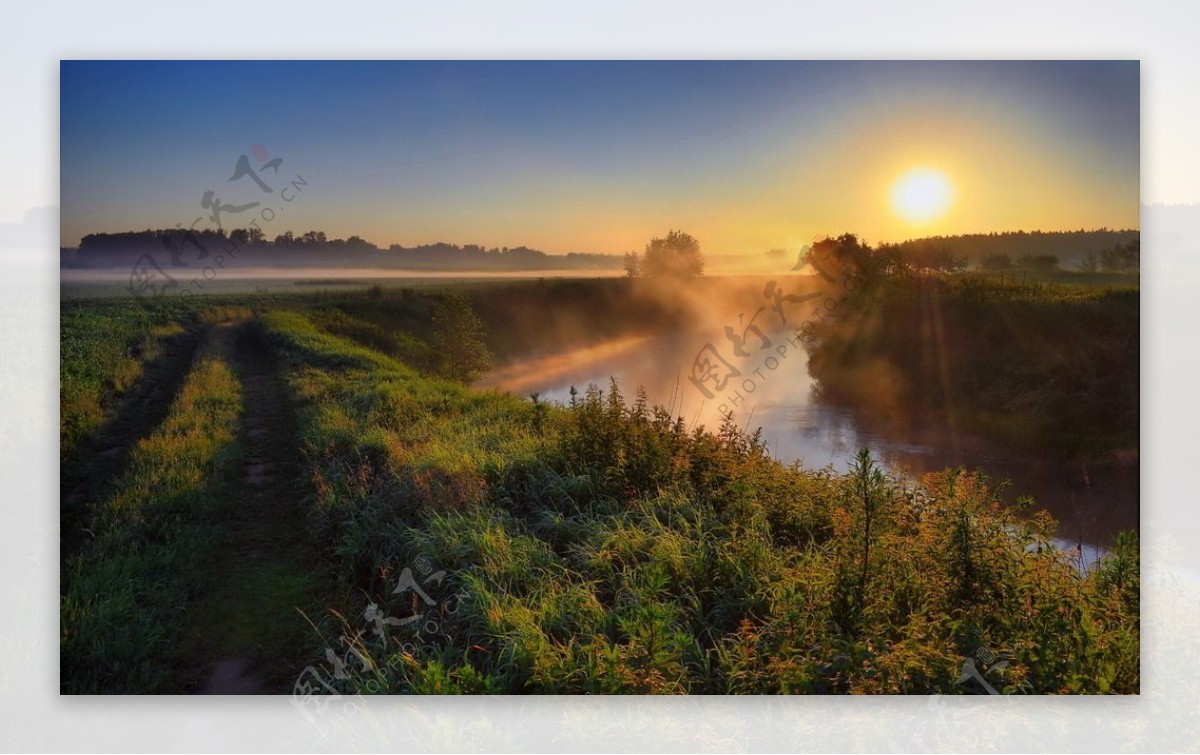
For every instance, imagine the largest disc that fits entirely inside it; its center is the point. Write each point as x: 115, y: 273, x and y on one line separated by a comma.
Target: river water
x: 1092, y: 502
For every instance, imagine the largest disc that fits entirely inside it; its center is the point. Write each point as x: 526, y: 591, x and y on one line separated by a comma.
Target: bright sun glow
x: 921, y: 195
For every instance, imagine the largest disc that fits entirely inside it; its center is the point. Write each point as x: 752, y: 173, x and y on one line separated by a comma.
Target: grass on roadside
x: 126, y: 592
x: 606, y: 547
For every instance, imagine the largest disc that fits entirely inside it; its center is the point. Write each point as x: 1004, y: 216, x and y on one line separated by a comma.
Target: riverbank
x: 604, y: 546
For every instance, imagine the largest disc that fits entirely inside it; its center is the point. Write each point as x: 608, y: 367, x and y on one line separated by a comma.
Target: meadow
x: 324, y: 501
x: 1045, y: 361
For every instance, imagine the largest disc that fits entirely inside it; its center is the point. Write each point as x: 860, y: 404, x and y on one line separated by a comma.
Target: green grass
x: 603, y: 547
x: 1073, y: 277
x: 606, y: 548
x: 126, y: 592
x: 1043, y: 366
x: 103, y: 348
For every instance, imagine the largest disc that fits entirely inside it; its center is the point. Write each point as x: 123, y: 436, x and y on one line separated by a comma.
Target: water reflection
x: 1092, y: 502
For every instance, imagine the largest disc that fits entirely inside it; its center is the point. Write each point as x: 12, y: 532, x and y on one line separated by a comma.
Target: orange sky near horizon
x: 602, y: 156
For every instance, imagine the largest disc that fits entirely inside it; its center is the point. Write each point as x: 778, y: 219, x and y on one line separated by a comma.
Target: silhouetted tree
x: 835, y: 261
x: 1065, y: 244
x: 1039, y: 261
x: 996, y: 262
x: 925, y: 254
x: 458, y: 337
x: 675, y: 256
x: 633, y: 265
x: 1122, y: 257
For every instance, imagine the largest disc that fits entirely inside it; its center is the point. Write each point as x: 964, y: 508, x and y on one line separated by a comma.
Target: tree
x: 1039, y: 261
x: 458, y: 338
x: 997, y: 261
x: 1122, y: 257
x: 633, y: 265
x: 837, y: 258
x: 926, y: 254
x: 676, y: 256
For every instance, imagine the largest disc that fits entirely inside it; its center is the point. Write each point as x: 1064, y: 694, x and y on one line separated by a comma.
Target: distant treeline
x: 1045, y: 367
x: 1070, y: 248
x: 241, y: 247
x: 251, y: 248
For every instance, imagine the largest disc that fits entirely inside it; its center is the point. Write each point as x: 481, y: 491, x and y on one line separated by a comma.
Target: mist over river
x: 1092, y: 502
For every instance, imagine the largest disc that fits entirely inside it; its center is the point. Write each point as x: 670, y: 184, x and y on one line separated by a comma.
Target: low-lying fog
x: 779, y: 395
x: 774, y: 389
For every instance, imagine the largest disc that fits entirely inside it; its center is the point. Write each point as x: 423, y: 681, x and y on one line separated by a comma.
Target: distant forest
x: 1069, y: 248
x: 250, y: 248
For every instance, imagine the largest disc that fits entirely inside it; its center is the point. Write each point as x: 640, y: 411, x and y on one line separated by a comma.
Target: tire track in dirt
x: 89, y: 473
x: 246, y: 635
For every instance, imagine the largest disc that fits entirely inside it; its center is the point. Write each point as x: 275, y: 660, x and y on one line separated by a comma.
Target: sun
x: 921, y: 195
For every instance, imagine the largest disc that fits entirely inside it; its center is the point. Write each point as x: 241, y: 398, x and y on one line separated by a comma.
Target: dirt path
x: 246, y: 636
x: 89, y: 473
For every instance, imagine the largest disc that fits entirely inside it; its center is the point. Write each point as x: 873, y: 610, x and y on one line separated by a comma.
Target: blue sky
x: 600, y: 156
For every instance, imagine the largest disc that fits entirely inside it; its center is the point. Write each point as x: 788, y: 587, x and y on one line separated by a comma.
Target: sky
x: 597, y: 156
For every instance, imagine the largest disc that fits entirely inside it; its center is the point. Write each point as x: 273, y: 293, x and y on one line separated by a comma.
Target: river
x: 1092, y: 502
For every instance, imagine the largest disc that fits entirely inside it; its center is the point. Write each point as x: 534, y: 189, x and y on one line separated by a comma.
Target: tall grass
x: 106, y: 346
x: 602, y: 547
x: 1046, y: 366
x: 606, y: 547
x: 103, y: 349
x: 126, y: 592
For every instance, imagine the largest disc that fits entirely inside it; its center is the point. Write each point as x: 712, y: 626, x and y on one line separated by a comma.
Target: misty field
x: 299, y: 493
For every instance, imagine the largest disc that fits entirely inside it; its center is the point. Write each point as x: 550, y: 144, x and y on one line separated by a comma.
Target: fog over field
x: 584, y: 377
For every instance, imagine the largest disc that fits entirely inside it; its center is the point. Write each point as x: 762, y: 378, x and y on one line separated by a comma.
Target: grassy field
x: 104, y: 351
x: 1042, y: 364
x: 436, y: 539
x: 127, y: 592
